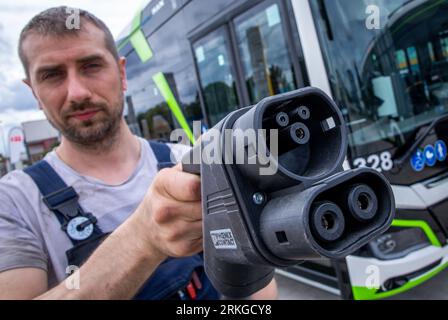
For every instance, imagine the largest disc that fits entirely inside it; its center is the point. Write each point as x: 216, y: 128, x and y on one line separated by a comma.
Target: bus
x: 385, y: 63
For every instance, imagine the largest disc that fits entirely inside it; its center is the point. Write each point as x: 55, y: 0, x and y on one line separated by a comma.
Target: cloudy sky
x: 16, y: 101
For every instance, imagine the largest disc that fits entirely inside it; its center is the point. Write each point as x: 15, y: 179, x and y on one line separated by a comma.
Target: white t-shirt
x: 31, y: 235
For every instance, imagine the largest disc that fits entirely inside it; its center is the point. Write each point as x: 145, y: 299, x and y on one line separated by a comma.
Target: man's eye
x: 92, y: 66
x: 51, y: 75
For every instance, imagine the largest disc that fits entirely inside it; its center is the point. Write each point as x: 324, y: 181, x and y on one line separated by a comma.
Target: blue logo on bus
x: 440, y: 147
x: 430, y: 155
x: 418, y: 161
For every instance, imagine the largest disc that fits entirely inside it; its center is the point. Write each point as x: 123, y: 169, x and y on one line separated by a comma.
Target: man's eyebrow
x: 90, y: 58
x: 57, y: 67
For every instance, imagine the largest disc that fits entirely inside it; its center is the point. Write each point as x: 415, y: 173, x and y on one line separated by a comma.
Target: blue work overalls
x: 175, y: 278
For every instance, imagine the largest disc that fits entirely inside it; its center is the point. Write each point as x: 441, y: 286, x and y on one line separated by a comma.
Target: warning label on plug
x: 223, y: 239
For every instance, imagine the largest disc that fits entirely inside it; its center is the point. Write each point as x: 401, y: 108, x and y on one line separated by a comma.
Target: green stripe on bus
x: 419, y: 224
x: 364, y: 293
x: 135, y: 25
x: 136, y: 21
x: 122, y: 44
x: 141, y: 46
x: 138, y: 39
x: 165, y: 89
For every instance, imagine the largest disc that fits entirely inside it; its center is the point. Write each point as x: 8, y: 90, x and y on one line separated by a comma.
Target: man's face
x: 77, y: 83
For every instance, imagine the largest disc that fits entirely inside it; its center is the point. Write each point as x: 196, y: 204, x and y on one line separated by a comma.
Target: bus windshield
x: 388, y: 66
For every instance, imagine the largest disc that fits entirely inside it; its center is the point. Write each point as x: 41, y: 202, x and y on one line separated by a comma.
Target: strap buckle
x: 64, y: 201
x: 81, y: 227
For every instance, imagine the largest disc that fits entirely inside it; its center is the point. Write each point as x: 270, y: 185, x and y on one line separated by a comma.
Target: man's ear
x: 28, y: 83
x: 122, y: 68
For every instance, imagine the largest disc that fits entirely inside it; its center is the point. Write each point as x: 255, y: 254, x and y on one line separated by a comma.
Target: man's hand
x: 170, y: 215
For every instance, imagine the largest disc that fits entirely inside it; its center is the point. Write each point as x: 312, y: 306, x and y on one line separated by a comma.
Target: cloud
x: 4, y: 45
x: 13, y: 92
x: 11, y: 117
x: 16, y: 96
x: 7, y: 60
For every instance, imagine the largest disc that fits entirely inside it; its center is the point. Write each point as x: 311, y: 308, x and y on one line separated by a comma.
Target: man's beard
x: 100, y: 130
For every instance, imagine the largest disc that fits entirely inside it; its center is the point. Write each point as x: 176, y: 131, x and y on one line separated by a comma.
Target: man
x: 78, y: 80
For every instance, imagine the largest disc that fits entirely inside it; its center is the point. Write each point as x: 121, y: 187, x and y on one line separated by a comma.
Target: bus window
x: 413, y: 60
x: 402, y: 63
x: 431, y: 52
x: 444, y: 43
x: 215, y: 73
x: 391, y: 80
x: 262, y: 45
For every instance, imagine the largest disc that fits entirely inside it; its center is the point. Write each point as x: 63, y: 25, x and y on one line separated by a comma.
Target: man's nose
x: 77, y: 89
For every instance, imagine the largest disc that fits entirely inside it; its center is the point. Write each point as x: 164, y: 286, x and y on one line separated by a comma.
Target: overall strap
x: 62, y: 200
x: 163, y: 154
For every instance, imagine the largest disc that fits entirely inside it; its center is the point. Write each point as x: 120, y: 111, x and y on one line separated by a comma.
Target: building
x: 40, y: 138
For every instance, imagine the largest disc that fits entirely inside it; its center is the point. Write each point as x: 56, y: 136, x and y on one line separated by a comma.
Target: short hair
x: 52, y: 22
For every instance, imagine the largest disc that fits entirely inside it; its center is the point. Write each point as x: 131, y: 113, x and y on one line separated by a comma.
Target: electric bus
x: 385, y: 63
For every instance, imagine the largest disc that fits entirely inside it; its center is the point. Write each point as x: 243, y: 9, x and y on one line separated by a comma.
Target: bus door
x: 254, y: 54
x: 247, y: 58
